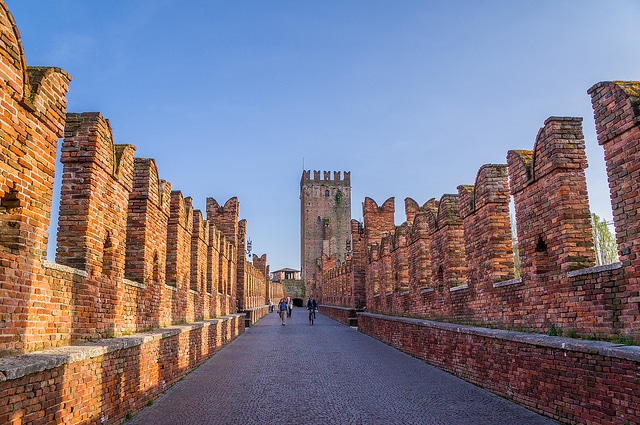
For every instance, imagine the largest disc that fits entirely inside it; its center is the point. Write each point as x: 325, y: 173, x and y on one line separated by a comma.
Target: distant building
x: 285, y: 274
x: 325, y: 220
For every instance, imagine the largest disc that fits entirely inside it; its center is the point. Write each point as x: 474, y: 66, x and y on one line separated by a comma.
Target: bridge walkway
x: 324, y: 374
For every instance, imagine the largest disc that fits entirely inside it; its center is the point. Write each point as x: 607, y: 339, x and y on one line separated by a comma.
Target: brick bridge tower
x: 325, y: 221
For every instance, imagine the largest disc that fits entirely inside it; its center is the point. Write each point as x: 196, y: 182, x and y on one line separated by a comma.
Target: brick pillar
x: 225, y: 219
x: 198, y: 270
x: 213, y: 269
x: 378, y: 221
x: 146, y: 254
x: 242, y: 293
x: 552, y: 217
x: 372, y: 273
x: 260, y: 263
x: 484, y: 209
x: 551, y: 202
x: 358, y: 258
x: 448, y: 257
x: 616, y: 107
x: 401, y: 258
x: 96, y: 181
x: 422, y: 228
x: 32, y: 113
x: 179, y: 255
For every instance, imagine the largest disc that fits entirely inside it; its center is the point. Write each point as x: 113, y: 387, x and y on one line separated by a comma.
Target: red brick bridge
x: 145, y: 288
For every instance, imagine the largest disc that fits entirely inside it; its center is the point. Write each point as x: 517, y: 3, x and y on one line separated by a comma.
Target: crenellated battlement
x: 132, y: 253
x: 454, y: 259
x: 338, y: 178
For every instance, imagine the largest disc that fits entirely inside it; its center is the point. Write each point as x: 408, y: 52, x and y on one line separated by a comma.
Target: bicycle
x: 312, y: 315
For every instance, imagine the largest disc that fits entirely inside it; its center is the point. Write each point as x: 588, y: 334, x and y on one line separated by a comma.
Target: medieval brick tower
x: 325, y: 221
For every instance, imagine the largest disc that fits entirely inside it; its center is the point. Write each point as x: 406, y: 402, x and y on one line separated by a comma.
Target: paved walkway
x: 323, y: 374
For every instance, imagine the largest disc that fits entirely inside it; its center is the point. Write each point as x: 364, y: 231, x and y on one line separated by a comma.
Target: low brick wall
x: 106, y: 381
x: 569, y: 380
x: 252, y: 315
x: 344, y: 315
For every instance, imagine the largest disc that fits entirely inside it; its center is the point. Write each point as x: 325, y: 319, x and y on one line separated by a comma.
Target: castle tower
x: 325, y: 220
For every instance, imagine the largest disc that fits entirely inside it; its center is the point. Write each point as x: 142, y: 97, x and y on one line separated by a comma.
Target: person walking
x: 283, y: 307
x: 289, y: 306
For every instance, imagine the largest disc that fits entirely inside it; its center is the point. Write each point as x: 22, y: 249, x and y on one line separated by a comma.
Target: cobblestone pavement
x: 325, y: 373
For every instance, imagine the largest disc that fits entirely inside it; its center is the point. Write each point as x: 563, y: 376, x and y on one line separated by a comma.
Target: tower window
x: 326, y: 193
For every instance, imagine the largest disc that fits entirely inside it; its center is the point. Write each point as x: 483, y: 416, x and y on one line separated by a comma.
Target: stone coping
x: 337, y: 307
x: 509, y: 282
x: 458, y: 288
x: 64, y: 269
x: 25, y: 364
x: 596, y: 269
x: 602, y: 348
x: 257, y: 308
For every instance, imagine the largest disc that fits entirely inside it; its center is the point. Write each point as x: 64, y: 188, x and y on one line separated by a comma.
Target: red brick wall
x: 616, y: 107
x: 97, y: 178
x: 213, y: 268
x: 105, y: 381
x: 225, y: 219
x: 178, y: 273
x: 484, y: 209
x: 147, y: 223
x: 242, y: 268
x: 122, y: 233
x: 200, y: 298
x: 260, y: 263
x: 457, y: 252
x: 571, y: 381
x: 32, y: 107
x: 378, y: 220
x: 344, y: 315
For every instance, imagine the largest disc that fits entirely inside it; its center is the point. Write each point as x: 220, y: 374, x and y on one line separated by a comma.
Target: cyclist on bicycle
x: 312, y: 306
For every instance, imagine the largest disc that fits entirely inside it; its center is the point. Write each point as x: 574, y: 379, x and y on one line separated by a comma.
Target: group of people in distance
x: 285, y: 307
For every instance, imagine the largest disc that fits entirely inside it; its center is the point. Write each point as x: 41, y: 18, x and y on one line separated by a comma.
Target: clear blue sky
x: 412, y: 97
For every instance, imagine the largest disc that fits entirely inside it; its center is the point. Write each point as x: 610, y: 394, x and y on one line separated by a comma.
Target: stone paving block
x: 325, y: 374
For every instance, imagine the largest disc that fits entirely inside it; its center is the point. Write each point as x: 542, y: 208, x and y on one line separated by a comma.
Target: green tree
x: 604, y: 243
x: 516, y: 249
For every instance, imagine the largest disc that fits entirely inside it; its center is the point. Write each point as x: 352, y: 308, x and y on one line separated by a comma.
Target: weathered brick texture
x: 325, y: 215
x: 32, y: 106
x: 96, y: 181
x: 132, y: 256
x: 453, y: 259
x: 461, y: 270
x: 571, y: 381
x: 103, y: 382
x: 147, y: 224
x: 225, y: 219
x: 616, y: 107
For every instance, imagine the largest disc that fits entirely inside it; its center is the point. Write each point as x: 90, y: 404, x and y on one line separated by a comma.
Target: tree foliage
x: 604, y: 242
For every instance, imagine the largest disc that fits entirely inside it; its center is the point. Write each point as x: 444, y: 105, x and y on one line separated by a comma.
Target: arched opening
x: 541, y: 257
x: 107, y: 256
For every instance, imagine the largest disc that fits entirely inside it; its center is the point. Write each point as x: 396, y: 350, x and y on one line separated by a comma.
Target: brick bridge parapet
x: 144, y: 287
x: 461, y: 271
